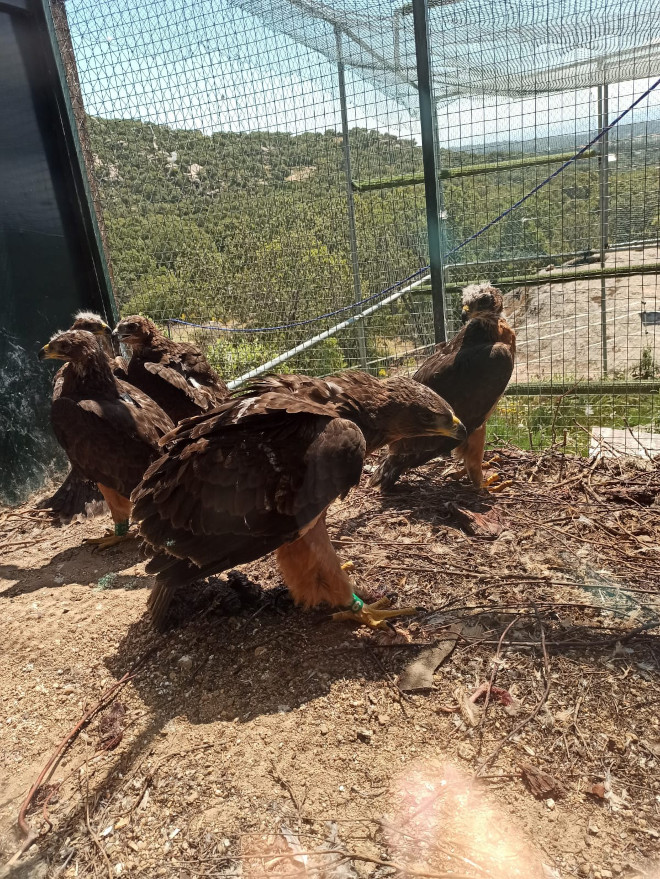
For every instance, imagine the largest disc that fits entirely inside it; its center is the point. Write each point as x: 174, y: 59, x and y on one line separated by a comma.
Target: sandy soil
x: 558, y: 326
x: 256, y: 739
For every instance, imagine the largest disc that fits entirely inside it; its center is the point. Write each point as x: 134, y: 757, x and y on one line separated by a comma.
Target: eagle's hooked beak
x: 458, y: 430
x: 47, y: 353
x: 119, y: 335
x: 104, y: 331
x: 465, y: 314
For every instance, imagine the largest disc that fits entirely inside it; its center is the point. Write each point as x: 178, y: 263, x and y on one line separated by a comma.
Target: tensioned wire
x: 454, y: 250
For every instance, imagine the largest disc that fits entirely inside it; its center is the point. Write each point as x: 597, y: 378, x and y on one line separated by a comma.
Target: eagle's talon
x: 494, y: 477
x: 499, y: 487
x: 376, y: 615
x: 101, y: 543
x: 110, y: 538
x: 348, y: 566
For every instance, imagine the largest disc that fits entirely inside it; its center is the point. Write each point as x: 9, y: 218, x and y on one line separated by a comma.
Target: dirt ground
x: 255, y: 739
x: 558, y: 326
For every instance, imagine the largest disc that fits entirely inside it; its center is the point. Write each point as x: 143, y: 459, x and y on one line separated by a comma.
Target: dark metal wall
x: 51, y: 260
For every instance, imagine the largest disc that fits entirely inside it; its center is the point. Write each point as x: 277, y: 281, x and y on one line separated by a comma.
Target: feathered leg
x: 314, y: 575
x: 120, y: 509
x: 472, y: 455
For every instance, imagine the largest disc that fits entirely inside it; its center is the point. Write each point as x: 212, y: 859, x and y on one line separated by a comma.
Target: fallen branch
x: 523, y: 723
x: 350, y: 856
x: 30, y: 833
x: 97, y: 842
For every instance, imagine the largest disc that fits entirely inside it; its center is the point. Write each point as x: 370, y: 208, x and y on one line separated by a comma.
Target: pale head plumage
x: 480, y: 298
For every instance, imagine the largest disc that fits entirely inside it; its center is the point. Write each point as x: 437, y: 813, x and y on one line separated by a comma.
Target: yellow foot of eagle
x: 493, y: 484
x: 374, y: 615
x: 111, y: 538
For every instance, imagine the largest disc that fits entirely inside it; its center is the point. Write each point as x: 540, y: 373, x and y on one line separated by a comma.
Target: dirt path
x: 255, y: 730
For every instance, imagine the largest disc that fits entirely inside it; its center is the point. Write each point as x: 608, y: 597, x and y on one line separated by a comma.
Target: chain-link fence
x: 260, y: 175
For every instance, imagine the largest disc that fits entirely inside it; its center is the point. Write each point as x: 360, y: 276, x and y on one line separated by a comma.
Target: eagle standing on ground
x: 471, y: 372
x: 72, y: 497
x: 258, y: 474
x: 109, y: 430
x: 174, y: 374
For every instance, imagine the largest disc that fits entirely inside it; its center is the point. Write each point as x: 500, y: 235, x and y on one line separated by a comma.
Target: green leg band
x: 121, y: 528
x: 356, y: 605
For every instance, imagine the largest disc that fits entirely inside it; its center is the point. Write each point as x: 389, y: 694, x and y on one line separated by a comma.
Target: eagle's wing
x: 110, y: 441
x: 120, y: 368
x: 235, y: 485
x: 171, y: 372
x: 199, y: 371
x: 470, y: 374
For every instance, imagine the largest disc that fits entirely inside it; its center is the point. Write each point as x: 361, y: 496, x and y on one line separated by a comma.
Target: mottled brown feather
x: 471, y: 372
x: 176, y: 375
x: 76, y: 492
x: 252, y: 475
x: 109, y: 429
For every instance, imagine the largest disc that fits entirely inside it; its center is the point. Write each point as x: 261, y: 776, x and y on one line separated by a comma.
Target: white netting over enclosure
x: 259, y: 173
x: 497, y: 48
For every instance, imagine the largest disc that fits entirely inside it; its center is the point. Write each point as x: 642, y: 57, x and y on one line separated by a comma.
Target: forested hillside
x: 250, y: 230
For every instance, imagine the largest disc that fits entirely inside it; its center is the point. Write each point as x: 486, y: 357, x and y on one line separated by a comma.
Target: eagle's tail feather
x: 72, y: 497
x: 158, y: 603
x: 386, y: 475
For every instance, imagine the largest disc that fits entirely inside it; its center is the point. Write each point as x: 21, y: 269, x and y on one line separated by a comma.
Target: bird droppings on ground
x: 255, y: 739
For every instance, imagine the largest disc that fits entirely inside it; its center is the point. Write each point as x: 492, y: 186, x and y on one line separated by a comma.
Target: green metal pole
x: 427, y: 122
x: 352, y: 232
x: 603, y: 207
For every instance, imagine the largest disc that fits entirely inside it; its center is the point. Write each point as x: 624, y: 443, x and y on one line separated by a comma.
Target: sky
x: 211, y: 65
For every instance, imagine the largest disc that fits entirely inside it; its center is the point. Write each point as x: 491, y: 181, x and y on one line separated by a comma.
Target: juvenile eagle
x: 174, y: 374
x: 471, y: 372
x: 259, y: 473
x: 109, y: 430
x: 72, y: 497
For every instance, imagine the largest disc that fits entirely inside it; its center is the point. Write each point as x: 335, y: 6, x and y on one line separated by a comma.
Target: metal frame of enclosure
x: 428, y: 145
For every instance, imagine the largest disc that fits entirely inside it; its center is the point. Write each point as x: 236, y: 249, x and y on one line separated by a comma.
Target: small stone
x: 584, y: 869
x: 616, y: 867
x: 192, y: 797
x: 383, y: 719
x: 606, y: 874
x: 365, y: 735
x: 186, y: 663
x: 259, y: 651
x: 68, y: 689
x: 323, y: 729
x: 466, y: 751
x: 594, y: 829
x: 550, y: 803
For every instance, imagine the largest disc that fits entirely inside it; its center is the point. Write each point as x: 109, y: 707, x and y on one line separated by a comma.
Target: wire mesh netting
x: 259, y: 172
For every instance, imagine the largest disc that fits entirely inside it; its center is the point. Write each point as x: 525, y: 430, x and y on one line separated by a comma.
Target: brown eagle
x: 258, y: 474
x: 174, y: 374
x: 109, y: 430
x: 72, y: 497
x: 471, y: 372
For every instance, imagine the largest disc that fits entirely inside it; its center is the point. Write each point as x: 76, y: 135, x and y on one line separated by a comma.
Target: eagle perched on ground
x: 471, y: 372
x: 258, y: 474
x: 109, y: 430
x: 174, y: 374
x: 72, y: 497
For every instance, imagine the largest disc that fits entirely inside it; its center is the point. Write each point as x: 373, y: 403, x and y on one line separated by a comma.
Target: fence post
x: 603, y: 211
x: 427, y: 123
x: 352, y: 233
